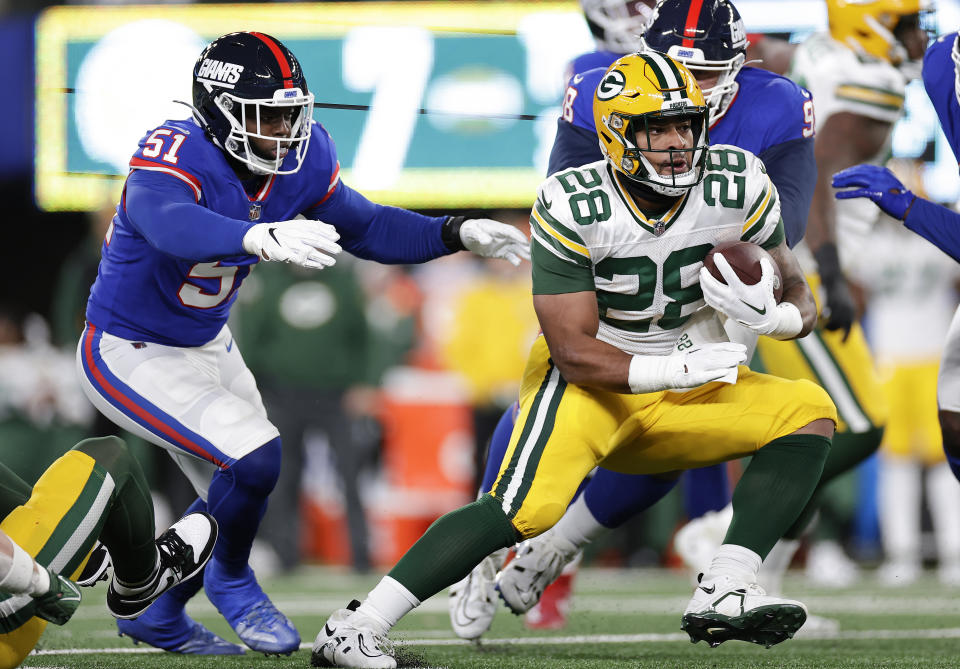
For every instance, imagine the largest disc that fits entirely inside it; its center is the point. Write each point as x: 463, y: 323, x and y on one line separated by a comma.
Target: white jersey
x: 589, y: 234
x: 912, y: 292
x: 842, y: 81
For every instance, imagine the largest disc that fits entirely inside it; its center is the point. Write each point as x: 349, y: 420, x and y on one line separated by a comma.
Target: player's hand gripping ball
x: 744, y: 258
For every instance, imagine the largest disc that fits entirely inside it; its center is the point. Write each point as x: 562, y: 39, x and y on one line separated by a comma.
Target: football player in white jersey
x: 634, y: 371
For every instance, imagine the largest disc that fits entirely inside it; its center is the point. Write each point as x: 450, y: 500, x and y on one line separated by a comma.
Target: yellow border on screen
x: 56, y: 189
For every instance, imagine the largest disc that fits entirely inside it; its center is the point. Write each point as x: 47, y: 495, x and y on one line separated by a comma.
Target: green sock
x: 128, y: 532
x: 453, y: 546
x: 774, y: 488
x: 848, y: 451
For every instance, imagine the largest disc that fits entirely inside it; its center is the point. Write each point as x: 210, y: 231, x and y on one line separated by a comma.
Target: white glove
x: 493, y: 239
x: 302, y: 241
x: 711, y: 362
x: 753, y: 306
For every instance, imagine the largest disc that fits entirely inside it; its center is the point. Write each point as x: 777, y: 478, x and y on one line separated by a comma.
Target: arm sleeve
x: 389, y: 235
x: 165, y: 212
x: 793, y: 170
x: 936, y: 224
x: 573, y: 147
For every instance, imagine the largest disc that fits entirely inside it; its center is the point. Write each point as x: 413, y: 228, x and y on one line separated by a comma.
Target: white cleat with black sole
x: 350, y: 639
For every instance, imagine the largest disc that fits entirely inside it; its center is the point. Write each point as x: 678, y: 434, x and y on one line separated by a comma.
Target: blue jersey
x: 940, y: 80
x: 170, y: 269
x: 770, y: 116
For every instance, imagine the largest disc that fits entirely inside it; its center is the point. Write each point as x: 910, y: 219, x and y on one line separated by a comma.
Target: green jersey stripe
x: 546, y: 417
x: 564, y: 230
x: 556, y: 247
x: 757, y: 227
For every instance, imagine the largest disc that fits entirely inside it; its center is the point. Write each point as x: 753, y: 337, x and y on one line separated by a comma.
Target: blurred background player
x: 710, y: 39
x: 206, y: 198
x: 937, y: 224
x: 909, y: 281
x: 95, y: 491
x: 596, y: 386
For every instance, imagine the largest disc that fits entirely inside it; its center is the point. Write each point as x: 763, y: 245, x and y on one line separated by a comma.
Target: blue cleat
x: 252, y: 615
x: 185, y: 636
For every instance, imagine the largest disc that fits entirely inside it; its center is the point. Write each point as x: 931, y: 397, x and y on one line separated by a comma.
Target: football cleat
x: 350, y: 639
x: 550, y: 613
x: 96, y: 568
x: 473, y: 600
x: 828, y: 566
x: 536, y: 565
x: 184, y: 635
x: 724, y: 608
x: 250, y: 612
x: 182, y: 550
x: 698, y: 540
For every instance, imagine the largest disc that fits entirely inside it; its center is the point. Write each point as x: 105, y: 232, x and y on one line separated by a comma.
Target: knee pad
x: 259, y: 470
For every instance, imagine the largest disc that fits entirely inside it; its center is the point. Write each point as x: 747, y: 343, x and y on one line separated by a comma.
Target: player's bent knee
x: 259, y: 470
x: 111, y: 453
x: 823, y: 427
x: 950, y: 428
x: 530, y: 524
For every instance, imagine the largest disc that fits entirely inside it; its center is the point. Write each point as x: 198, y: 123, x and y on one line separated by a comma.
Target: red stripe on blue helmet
x: 281, y: 58
x: 693, y: 18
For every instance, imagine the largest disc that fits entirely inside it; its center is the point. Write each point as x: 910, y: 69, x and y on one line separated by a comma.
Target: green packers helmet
x: 636, y: 90
x: 870, y: 26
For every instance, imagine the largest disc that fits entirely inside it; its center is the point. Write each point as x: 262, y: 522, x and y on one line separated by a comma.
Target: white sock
x: 736, y: 561
x: 944, y: 500
x: 387, y: 603
x: 577, y: 526
x: 899, y: 506
x: 776, y: 564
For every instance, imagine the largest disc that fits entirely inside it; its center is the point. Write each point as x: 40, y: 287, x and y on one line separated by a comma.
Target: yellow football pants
x: 58, y: 526
x: 564, y: 431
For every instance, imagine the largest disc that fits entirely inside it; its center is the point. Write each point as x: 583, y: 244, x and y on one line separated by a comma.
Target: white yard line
x: 944, y: 633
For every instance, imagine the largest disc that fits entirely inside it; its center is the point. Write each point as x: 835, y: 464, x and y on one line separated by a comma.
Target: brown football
x: 744, y: 259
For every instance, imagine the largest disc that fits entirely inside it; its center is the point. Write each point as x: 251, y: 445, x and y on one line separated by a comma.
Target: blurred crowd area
x: 386, y: 383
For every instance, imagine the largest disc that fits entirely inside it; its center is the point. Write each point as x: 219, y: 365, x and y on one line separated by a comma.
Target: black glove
x: 839, y: 309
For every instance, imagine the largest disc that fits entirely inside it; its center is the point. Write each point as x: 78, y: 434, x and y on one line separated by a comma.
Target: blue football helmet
x: 711, y: 42
x: 238, y: 80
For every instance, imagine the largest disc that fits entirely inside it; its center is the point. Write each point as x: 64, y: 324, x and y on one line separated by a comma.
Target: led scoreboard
x: 431, y: 104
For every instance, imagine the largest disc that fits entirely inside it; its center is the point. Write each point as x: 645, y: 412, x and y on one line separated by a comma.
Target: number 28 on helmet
x: 641, y: 90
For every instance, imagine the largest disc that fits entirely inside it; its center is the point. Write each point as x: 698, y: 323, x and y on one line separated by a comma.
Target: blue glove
x: 878, y: 184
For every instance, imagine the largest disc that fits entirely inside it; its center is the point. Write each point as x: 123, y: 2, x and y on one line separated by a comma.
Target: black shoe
x: 96, y: 568
x: 184, y: 549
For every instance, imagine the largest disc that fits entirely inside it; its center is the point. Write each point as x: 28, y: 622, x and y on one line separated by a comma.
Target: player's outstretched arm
x: 55, y: 597
x: 933, y: 222
x: 570, y: 322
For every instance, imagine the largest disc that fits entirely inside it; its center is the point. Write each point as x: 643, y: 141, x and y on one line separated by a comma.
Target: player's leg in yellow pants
x: 74, y: 501
x: 563, y: 431
x: 845, y: 369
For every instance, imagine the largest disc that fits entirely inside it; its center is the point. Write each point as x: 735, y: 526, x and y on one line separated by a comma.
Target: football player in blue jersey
x: 709, y: 38
x: 251, y: 177
x: 937, y: 224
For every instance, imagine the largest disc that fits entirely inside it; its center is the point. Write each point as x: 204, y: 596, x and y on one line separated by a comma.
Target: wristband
x: 450, y: 233
x: 649, y: 373
x: 20, y: 572
x: 789, y: 322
